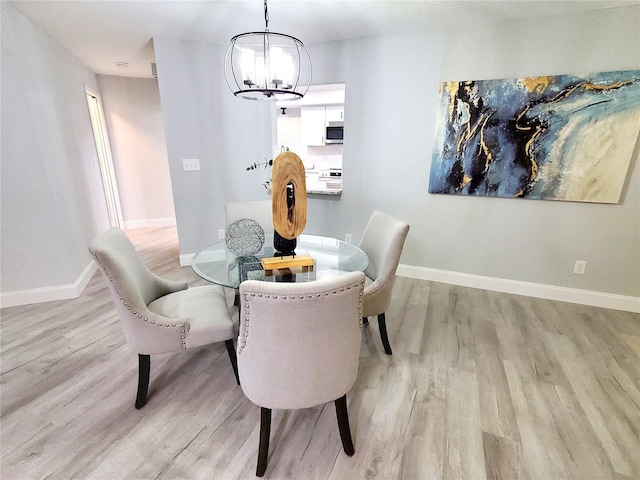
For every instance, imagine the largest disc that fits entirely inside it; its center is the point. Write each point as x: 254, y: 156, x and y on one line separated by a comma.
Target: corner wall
x: 204, y: 120
x: 136, y: 133
x: 48, y: 163
x: 392, y: 88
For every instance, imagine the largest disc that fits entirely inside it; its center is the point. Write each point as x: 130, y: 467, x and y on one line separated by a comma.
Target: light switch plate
x: 190, y: 164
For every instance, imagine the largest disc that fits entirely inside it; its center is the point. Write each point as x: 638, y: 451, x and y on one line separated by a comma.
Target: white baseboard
x: 150, y: 223
x: 550, y: 292
x: 185, y: 260
x: 49, y: 294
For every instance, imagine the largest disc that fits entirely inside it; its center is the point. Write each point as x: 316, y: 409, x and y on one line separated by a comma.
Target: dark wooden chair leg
x: 236, y: 302
x: 232, y: 356
x: 383, y: 334
x: 343, y: 425
x: 265, y: 431
x: 144, y: 368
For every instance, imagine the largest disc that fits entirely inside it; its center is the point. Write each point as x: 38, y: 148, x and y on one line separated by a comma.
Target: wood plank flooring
x: 480, y: 385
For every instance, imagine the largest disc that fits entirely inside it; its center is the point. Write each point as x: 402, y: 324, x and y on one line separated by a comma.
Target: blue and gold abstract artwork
x: 557, y: 137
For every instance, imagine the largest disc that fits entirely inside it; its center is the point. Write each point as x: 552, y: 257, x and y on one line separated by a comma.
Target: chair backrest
x: 260, y: 211
x: 382, y: 241
x: 133, y: 286
x: 299, y: 343
x: 119, y: 260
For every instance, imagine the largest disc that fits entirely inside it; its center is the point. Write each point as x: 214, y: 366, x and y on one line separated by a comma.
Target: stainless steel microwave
x: 334, y: 132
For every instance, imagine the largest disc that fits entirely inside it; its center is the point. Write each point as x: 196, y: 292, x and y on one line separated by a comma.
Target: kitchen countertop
x: 319, y: 187
x: 325, y: 192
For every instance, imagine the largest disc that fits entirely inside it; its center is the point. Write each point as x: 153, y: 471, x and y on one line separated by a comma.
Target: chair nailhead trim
x: 361, y: 286
x: 386, y: 280
x: 243, y: 338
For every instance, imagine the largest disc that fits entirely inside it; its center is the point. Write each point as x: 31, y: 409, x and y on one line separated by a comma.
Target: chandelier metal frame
x: 267, y: 47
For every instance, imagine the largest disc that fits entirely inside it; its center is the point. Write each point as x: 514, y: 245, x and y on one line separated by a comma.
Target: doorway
x: 105, y: 161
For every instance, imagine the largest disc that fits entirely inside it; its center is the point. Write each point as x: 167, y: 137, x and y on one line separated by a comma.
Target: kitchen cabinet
x: 312, y: 125
x: 334, y: 113
x: 314, y: 122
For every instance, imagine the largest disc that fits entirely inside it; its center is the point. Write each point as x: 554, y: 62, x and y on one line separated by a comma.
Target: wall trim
x: 150, y: 223
x: 185, y: 260
x: 49, y: 294
x: 539, y: 290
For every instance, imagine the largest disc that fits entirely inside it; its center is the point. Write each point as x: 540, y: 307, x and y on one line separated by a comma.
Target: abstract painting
x: 557, y: 137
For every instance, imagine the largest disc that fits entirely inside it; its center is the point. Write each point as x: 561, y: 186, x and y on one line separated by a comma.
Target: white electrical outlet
x: 580, y: 267
x: 190, y: 164
x: 221, y: 233
x: 347, y: 237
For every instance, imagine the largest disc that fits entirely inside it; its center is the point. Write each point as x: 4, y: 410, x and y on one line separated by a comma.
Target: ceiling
x: 102, y: 33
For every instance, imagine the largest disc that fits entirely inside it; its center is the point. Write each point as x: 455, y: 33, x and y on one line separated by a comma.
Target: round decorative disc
x: 244, y: 237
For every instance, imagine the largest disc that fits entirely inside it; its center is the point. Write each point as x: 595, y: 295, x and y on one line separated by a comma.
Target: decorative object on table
x: 269, y: 264
x: 284, y: 246
x: 246, y: 267
x: 244, y: 237
x: 288, y: 201
x: 558, y: 137
x: 266, y: 164
x: 267, y: 66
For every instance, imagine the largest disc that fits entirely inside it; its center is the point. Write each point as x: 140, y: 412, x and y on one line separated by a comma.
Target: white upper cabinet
x: 334, y: 113
x: 313, y: 125
x: 321, y: 104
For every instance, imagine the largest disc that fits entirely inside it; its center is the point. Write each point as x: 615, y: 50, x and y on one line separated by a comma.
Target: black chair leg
x: 265, y: 431
x: 365, y: 320
x: 232, y: 356
x: 144, y: 368
x: 383, y: 334
x: 236, y: 302
x: 343, y: 425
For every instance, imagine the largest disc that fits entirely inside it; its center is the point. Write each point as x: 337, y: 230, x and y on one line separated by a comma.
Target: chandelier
x: 267, y: 66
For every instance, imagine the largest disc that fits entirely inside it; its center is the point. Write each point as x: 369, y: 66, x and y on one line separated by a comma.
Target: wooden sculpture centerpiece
x: 288, y: 201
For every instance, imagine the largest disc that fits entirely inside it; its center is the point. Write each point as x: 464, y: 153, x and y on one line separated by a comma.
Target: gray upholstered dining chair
x: 260, y: 211
x: 159, y: 315
x: 299, y: 346
x: 382, y: 241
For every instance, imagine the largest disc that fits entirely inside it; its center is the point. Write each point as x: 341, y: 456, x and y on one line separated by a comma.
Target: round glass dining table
x: 217, y: 264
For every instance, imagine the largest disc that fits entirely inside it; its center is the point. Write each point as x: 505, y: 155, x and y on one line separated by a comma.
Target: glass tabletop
x: 330, y: 257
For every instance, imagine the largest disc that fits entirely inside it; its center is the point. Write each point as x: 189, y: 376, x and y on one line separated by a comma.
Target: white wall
x: 392, y: 89
x: 48, y: 160
x: 204, y: 120
x: 136, y: 133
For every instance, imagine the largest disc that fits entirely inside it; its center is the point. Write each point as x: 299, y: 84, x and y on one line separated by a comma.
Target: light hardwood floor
x: 480, y: 385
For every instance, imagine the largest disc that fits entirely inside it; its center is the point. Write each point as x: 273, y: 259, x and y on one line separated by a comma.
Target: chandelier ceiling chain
x: 266, y: 17
x: 267, y: 65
